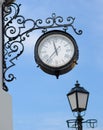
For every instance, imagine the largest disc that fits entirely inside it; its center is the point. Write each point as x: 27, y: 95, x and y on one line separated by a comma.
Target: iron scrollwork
x: 16, y: 31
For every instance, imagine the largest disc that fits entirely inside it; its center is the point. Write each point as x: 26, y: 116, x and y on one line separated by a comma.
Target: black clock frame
x: 56, y: 70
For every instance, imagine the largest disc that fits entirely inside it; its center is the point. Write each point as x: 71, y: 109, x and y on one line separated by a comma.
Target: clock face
x: 56, y: 50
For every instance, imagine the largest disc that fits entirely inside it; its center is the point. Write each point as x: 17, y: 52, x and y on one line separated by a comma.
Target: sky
x: 39, y: 100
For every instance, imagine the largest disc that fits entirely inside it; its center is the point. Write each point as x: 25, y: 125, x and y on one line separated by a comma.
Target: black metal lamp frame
x: 79, y: 121
x: 15, y: 33
x: 75, y: 90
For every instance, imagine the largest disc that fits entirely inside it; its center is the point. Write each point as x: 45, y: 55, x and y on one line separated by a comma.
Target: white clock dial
x: 56, y: 50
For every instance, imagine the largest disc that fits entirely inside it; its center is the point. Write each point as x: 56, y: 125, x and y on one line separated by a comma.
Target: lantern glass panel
x: 82, y: 100
x: 72, y: 101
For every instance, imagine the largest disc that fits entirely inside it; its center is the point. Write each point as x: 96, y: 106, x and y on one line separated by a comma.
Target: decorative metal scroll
x: 16, y: 31
x: 72, y: 123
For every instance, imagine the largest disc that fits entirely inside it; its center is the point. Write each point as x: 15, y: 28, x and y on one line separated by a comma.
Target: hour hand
x: 55, y: 48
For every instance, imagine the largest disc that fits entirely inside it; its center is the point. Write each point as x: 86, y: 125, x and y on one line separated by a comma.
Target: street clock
x: 56, y: 52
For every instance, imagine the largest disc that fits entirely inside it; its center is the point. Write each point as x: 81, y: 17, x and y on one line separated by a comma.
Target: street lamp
x: 78, y: 100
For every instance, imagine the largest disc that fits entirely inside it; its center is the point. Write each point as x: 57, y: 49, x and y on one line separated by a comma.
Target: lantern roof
x: 77, y: 88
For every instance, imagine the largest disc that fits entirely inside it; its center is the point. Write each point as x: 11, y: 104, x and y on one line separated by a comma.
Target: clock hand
x: 55, y: 48
x: 52, y: 54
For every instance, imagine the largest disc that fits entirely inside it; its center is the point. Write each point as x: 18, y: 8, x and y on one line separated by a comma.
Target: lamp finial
x: 77, y: 84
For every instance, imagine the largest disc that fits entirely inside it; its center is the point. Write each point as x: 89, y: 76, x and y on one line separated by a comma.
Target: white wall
x: 5, y: 111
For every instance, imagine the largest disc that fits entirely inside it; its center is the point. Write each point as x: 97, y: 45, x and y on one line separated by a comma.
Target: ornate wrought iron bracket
x: 73, y: 123
x: 16, y: 30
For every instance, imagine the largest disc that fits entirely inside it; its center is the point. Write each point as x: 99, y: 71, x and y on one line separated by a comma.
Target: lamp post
x: 78, y: 100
